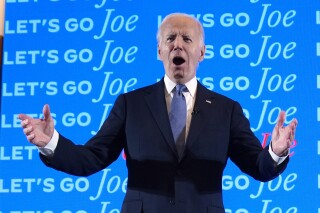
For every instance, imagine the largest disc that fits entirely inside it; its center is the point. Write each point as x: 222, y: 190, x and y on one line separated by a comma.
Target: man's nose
x: 177, y: 44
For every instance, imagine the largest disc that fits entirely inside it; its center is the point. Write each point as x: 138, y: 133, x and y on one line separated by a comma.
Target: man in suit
x: 163, y: 176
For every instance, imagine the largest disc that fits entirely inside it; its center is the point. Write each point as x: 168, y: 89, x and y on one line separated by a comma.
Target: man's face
x: 180, y: 47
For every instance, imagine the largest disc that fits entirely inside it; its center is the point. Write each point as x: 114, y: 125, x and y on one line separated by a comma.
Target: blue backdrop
x: 78, y: 56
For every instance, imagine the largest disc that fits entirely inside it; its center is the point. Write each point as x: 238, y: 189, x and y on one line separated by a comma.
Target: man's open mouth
x: 177, y: 60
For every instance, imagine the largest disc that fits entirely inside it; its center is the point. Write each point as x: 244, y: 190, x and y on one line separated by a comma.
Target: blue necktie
x: 178, y: 117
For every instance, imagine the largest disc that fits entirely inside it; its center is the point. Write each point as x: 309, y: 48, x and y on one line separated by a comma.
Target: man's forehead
x: 179, y: 27
x: 177, y: 31
x: 179, y: 22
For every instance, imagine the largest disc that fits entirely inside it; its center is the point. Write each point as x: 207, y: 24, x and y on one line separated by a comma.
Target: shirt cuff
x: 48, y: 150
x: 278, y: 160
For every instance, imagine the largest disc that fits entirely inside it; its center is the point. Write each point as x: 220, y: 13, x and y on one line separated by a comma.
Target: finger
x: 285, y: 146
x: 281, y: 118
x: 294, y: 123
x: 286, y: 130
x: 293, y: 126
x: 288, y: 134
x: 46, y: 112
x: 28, y: 130
x: 288, y: 143
x: 24, y: 123
x: 292, y: 137
x: 30, y: 137
x: 24, y: 117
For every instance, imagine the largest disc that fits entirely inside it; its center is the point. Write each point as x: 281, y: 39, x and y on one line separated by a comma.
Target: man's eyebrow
x: 171, y: 34
x: 185, y: 34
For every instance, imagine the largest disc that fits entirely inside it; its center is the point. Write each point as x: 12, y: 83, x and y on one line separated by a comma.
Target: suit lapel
x: 157, y: 104
x: 202, y: 107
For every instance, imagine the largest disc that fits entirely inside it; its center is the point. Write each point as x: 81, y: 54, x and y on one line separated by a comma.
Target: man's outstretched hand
x: 282, y: 136
x: 38, y: 131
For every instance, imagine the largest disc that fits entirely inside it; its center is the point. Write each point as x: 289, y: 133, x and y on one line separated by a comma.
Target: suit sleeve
x: 98, y: 153
x: 246, y: 150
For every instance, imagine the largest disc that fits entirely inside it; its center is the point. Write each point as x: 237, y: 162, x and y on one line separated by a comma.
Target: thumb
x: 46, y: 112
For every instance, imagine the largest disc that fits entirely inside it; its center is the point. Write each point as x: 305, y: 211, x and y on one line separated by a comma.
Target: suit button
x: 172, y: 202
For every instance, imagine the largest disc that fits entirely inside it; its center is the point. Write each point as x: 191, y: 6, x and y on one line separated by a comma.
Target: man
x: 163, y: 176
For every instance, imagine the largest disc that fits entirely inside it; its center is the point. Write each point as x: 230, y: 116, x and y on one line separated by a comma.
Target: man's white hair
x: 183, y: 15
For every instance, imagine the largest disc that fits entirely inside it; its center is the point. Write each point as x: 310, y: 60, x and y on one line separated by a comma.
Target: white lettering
x: 31, y: 56
x: 31, y: 26
x: 113, y: 184
x: 240, y: 83
x: 317, y: 17
x: 71, y: 87
x: 274, y: 18
x: 240, y: 19
x: 117, y: 54
x: 28, y: 88
x: 72, y: 55
x: 25, y: 185
x: 275, y: 82
x: 240, y: 51
x: 106, y: 110
x: 116, y: 86
x: 274, y: 50
x: 118, y: 23
x: 82, y: 119
x: 277, y: 209
x: 241, y: 182
x: 272, y: 114
x: 73, y: 24
x: 80, y: 184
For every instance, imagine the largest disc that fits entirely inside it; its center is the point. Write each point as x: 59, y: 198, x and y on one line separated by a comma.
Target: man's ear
x: 202, y: 52
x: 159, y: 53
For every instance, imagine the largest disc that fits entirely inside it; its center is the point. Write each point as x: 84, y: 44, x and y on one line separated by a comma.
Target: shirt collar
x: 191, y: 85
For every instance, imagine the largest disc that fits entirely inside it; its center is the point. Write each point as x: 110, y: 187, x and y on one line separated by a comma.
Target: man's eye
x: 188, y: 40
x: 170, y: 39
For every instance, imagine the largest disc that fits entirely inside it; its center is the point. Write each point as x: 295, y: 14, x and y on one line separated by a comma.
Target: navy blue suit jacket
x: 158, y: 181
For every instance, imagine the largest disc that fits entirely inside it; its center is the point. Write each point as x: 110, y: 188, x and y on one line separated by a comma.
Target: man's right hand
x: 38, y: 131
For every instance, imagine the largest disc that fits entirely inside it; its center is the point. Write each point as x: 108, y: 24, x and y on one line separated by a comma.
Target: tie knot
x: 181, y: 88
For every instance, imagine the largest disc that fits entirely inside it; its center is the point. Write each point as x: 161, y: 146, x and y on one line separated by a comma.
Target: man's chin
x: 178, y: 73
x: 179, y: 77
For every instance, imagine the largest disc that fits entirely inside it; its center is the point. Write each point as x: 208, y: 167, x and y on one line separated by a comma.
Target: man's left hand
x: 282, y: 136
